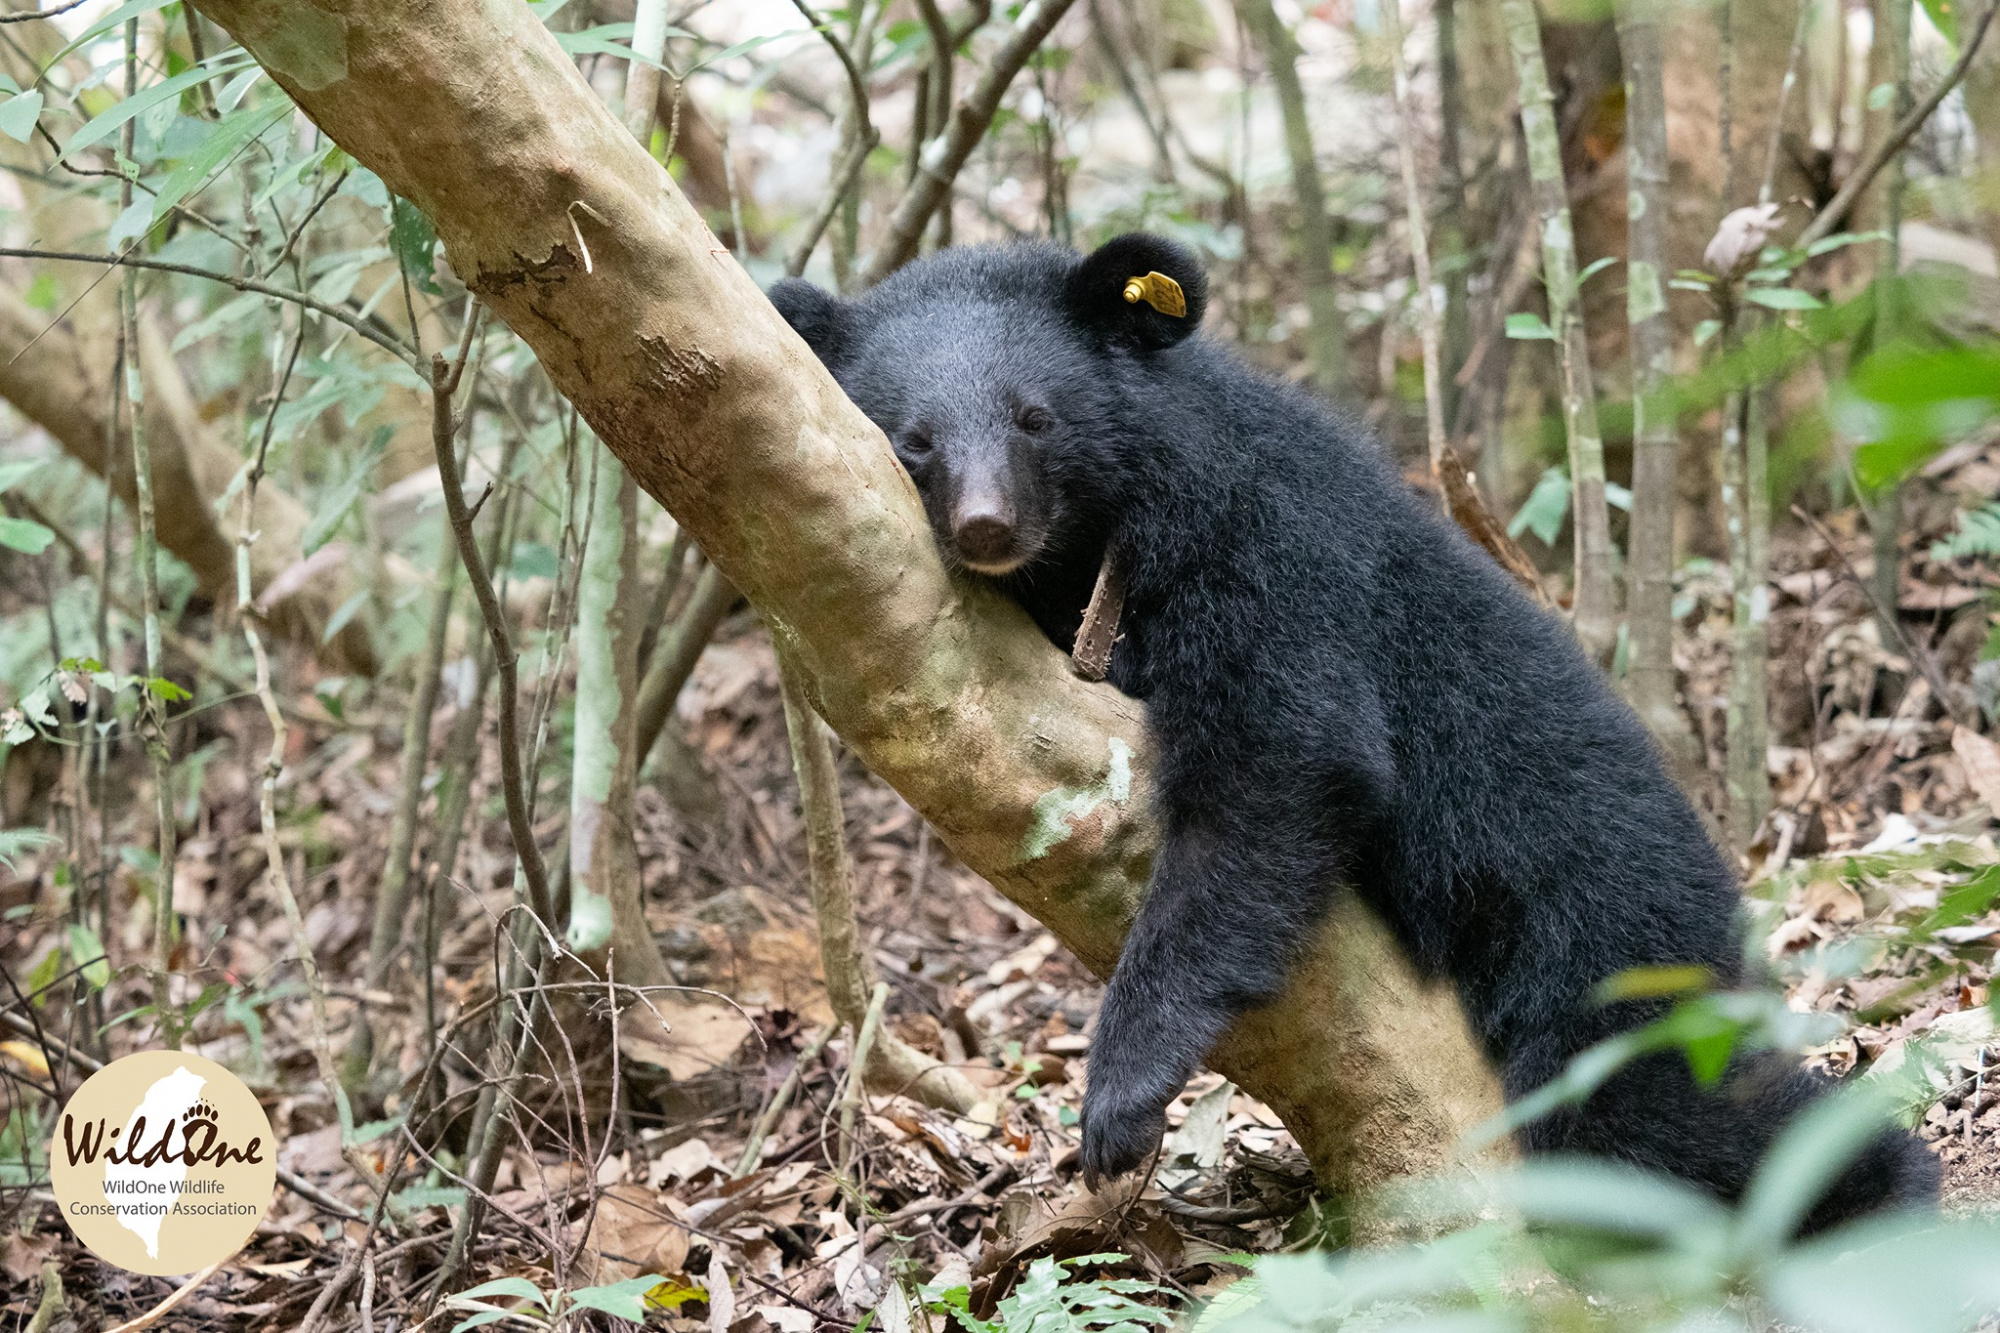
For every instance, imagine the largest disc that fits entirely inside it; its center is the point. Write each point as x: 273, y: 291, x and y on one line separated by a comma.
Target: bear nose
x: 984, y: 535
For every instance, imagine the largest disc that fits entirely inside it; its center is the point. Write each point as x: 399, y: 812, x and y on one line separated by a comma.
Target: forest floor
x: 1872, y: 891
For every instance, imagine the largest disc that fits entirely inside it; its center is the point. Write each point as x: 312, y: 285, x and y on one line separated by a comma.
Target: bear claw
x: 1118, y: 1142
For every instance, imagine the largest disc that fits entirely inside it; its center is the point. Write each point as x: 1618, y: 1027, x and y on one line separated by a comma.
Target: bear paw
x: 1117, y: 1139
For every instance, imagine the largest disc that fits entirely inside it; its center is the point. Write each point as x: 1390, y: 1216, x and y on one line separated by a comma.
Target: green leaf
x: 626, y: 1300
x: 24, y: 535
x: 1705, y: 332
x: 44, y: 976
x: 429, y: 1196
x: 1708, y: 1055
x: 12, y: 474
x: 1783, y: 298
x: 533, y: 560
x: 745, y: 48
x: 1652, y: 983
x: 1944, y: 18
x: 502, y: 1286
x: 483, y: 1317
x: 1977, y: 534
x: 1545, y: 508
x: 166, y: 691
x: 108, y: 122
x: 1945, y: 1274
x: 341, y: 497
x: 18, y: 842
x: 234, y: 91
x: 1841, y: 240
x: 213, y: 991
x: 413, y: 241
x: 130, y: 10
x: 87, y: 951
x: 344, y: 613
x: 1595, y: 267
x: 1528, y: 326
x: 224, y: 141
x: 608, y: 39
x: 1904, y: 404
x: 130, y: 225
x: 18, y: 114
x: 375, y: 1129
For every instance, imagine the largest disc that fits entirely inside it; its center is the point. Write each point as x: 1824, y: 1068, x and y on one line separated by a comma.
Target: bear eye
x: 917, y: 441
x: 1034, y: 420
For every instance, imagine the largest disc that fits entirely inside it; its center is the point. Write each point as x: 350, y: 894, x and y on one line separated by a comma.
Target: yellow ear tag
x: 1160, y: 292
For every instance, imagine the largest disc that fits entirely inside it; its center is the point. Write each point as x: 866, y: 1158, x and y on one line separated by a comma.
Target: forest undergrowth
x: 745, y: 1169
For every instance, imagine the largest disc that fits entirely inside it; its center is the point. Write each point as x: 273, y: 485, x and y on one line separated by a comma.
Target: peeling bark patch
x: 682, y: 373
x: 303, y: 45
x: 492, y: 283
x: 1057, y: 813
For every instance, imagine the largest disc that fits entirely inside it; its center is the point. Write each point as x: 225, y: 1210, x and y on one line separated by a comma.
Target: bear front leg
x: 1222, y: 921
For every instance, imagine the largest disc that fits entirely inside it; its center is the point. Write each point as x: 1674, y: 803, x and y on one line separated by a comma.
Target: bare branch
x: 1864, y: 175
x: 367, y: 328
x: 31, y: 15
x: 945, y: 155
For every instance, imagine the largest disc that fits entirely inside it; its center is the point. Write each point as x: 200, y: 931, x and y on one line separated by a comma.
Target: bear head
x: 1011, y: 381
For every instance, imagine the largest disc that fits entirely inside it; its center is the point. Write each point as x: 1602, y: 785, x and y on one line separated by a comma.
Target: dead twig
x: 444, y: 378
x: 939, y: 163
x: 1864, y: 174
x: 1922, y: 660
x: 767, y: 1120
x: 160, y: 1311
x: 365, y: 327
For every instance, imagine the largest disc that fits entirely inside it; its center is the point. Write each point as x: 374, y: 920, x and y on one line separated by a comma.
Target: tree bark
x: 577, y: 239
x: 606, y: 908
x: 1655, y: 436
x: 1281, y: 55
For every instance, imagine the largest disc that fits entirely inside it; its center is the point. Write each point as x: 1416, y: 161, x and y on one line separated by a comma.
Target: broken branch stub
x: 1037, y: 780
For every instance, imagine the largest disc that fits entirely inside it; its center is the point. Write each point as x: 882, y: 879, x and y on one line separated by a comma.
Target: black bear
x: 1345, y: 692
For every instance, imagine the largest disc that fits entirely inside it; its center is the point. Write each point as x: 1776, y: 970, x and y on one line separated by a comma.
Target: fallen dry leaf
x: 1794, y: 934
x: 1981, y: 760
x: 698, y: 1037
x: 633, y: 1232
x: 21, y: 1256
x: 1833, y: 900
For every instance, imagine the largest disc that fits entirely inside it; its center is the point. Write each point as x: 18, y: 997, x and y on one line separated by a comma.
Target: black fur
x: 1345, y: 692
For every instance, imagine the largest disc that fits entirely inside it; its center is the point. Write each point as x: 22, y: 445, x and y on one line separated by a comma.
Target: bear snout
x: 984, y: 535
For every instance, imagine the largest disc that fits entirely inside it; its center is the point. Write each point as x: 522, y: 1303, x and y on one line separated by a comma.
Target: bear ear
x: 1139, y: 291
x: 816, y: 315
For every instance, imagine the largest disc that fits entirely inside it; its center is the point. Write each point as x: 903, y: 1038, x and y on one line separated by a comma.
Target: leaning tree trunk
x: 1041, y: 782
